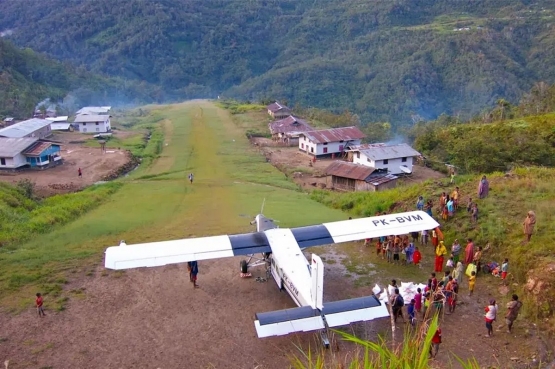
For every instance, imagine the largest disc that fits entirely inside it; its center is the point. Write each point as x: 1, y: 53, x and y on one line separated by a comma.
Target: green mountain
x: 27, y: 78
x: 385, y: 60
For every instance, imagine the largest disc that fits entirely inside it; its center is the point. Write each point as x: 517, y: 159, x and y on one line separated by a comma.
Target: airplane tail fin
x: 317, y: 291
x: 305, y: 318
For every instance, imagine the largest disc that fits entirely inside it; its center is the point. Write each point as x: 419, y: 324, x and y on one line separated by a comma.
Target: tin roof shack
x: 60, y: 123
x: 43, y: 154
x: 329, y: 142
x: 35, y: 127
x: 397, y: 159
x: 344, y: 176
x: 94, y: 110
x: 288, y: 129
x: 92, y: 123
x: 278, y: 111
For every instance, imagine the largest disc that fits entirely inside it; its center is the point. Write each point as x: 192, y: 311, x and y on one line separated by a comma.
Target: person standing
x: 469, y: 252
x: 490, y: 316
x: 38, y: 303
x: 483, y: 188
x: 441, y: 251
x: 79, y: 173
x: 504, y: 271
x: 420, y: 203
x: 436, y: 341
x: 458, y: 273
x: 397, y: 303
x: 455, y: 195
x: 478, y: 258
x: 471, y: 283
x: 193, y: 271
x: 513, y: 308
x: 529, y: 224
x: 456, y: 251
x: 191, y: 177
x: 411, y: 312
x: 417, y: 257
x: 418, y: 300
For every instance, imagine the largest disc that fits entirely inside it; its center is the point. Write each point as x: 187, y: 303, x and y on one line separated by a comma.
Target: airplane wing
x: 359, y: 229
x: 179, y: 251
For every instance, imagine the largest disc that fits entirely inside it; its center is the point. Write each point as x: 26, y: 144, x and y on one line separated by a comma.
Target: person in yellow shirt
x: 455, y: 196
x: 441, y: 251
x: 471, y: 283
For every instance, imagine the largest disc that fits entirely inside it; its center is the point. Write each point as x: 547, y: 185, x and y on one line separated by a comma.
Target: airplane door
x: 275, y: 273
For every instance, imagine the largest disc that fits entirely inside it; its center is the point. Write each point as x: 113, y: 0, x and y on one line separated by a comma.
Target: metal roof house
x: 397, y: 159
x: 92, y: 123
x: 28, y: 152
x: 278, y: 111
x: 329, y: 142
x: 289, y: 129
x: 39, y: 128
x: 60, y: 123
x: 345, y: 176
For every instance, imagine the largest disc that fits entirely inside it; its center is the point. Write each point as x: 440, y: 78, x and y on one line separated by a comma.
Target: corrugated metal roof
x: 289, y: 124
x: 59, y: 119
x: 91, y: 110
x: 60, y: 126
x: 10, y: 147
x: 91, y: 118
x: 349, y: 170
x: 334, y: 134
x: 24, y: 128
x: 382, y: 151
x: 376, y: 181
x: 37, y: 148
x: 274, y: 107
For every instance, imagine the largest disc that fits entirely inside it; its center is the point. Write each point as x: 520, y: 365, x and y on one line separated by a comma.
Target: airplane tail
x: 305, y: 318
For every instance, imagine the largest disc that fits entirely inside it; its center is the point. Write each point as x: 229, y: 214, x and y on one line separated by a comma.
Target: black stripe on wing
x: 350, y: 305
x: 286, y: 315
x: 249, y: 243
x: 312, y: 236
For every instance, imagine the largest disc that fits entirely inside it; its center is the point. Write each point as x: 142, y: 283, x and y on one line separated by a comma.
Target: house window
x: 302, y: 146
x: 84, y: 124
x: 386, y: 161
x: 312, y: 149
x: 404, y: 160
x: 96, y: 123
x: 2, y: 161
x: 358, y: 156
x: 341, y: 141
x: 368, y: 160
x: 325, y: 150
x: 325, y: 143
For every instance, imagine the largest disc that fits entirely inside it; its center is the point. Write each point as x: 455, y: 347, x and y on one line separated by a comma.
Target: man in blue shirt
x: 193, y: 271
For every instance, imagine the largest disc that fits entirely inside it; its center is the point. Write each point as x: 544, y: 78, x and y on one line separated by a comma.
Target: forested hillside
x: 27, y: 78
x: 385, y: 60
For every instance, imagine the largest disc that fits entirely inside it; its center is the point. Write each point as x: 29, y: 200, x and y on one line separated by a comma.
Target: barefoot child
x: 418, y: 301
x: 417, y: 256
x: 504, y: 270
x: 471, y: 283
x: 38, y: 303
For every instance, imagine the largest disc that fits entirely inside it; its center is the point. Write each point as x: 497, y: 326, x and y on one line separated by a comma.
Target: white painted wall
x: 15, y: 162
x: 89, y: 127
x: 319, y: 149
x: 392, y: 165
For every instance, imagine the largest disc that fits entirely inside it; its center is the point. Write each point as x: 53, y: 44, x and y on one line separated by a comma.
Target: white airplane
x: 281, y: 250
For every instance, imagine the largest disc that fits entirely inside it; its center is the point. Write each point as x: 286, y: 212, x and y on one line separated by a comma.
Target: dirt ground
x: 312, y: 174
x: 63, y: 178
x: 153, y: 318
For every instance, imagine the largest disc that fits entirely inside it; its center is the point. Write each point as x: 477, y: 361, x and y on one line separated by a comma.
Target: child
x: 490, y: 316
x: 469, y: 206
x: 446, y: 277
x: 504, y: 270
x: 418, y: 300
x: 384, y: 248
x: 193, y: 271
x: 450, y: 262
x: 411, y: 312
x: 389, y: 251
x: 378, y: 247
x: 474, y: 213
x: 420, y: 203
x: 416, y: 257
x: 433, y: 278
x: 38, y: 303
x: 471, y: 283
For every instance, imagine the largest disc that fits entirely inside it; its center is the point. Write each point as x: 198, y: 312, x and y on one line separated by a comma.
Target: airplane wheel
x: 244, y: 266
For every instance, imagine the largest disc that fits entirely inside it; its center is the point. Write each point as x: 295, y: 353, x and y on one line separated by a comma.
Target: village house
x: 278, y: 111
x: 345, y: 176
x: 397, y: 159
x: 94, y: 110
x: 8, y: 121
x: 28, y: 152
x: 329, y: 142
x: 288, y: 129
x: 92, y: 123
x: 35, y: 127
x: 60, y: 123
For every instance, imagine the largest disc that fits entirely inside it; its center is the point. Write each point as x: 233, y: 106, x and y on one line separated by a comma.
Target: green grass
x: 157, y: 203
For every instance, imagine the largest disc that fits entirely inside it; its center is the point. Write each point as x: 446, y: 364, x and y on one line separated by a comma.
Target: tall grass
x: 411, y: 353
